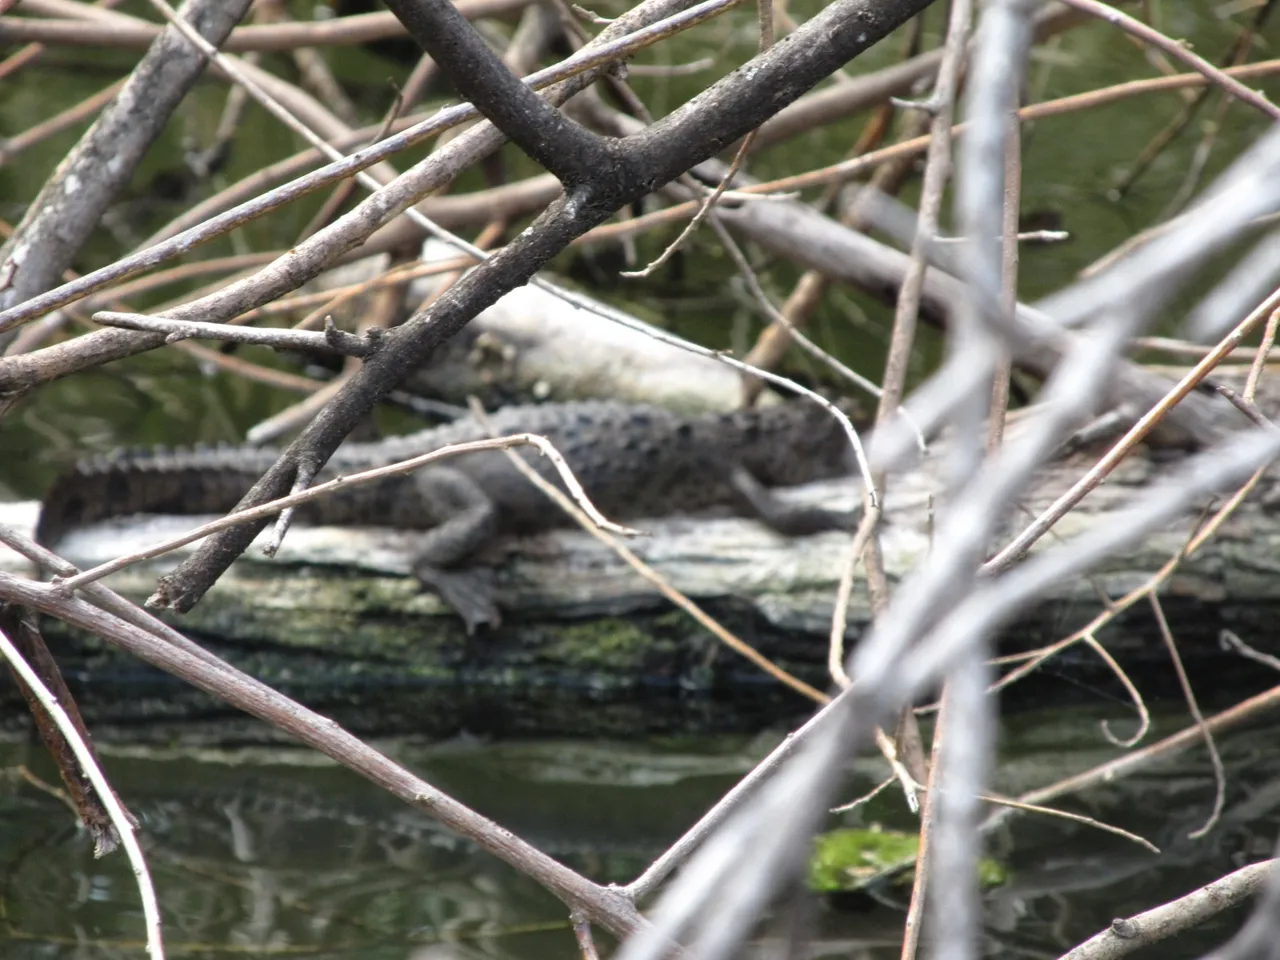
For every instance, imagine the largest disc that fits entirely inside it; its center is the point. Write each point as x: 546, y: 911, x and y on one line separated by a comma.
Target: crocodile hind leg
x: 788, y: 518
x: 471, y: 518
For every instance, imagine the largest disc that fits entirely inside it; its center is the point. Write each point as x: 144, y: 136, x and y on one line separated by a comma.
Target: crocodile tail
x: 174, y: 482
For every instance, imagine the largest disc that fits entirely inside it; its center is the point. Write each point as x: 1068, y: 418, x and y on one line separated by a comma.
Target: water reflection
x: 273, y: 853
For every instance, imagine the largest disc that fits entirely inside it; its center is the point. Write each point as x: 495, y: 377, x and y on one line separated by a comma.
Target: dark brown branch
x: 550, y: 138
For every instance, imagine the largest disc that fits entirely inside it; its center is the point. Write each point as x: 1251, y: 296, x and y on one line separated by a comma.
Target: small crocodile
x: 633, y: 461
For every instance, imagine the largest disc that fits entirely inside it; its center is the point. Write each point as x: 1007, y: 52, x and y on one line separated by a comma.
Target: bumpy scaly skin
x: 633, y: 461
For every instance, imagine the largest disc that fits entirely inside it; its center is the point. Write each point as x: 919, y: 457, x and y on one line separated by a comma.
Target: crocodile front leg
x: 471, y: 518
x: 788, y: 518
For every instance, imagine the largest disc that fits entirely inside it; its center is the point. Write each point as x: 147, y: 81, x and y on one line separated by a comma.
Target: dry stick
x: 180, y: 273
x: 1260, y: 358
x: 1219, y: 774
x: 645, y: 884
x: 119, y: 819
x: 1142, y: 238
x: 1022, y: 807
x: 1247, y: 407
x: 69, y: 584
x: 32, y: 51
x: 582, y: 934
x: 772, y: 343
x: 423, y: 73
x: 1127, y: 934
x: 44, y: 786
x: 332, y: 340
x: 297, y: 414
x: 1030, y: 660
x: 862, y: 537
x: 936, y: 174
x: 295, y: 110
x: 928, y: 816
x: 1231, y: 641
x: 31, y: 337
x: 1157, y: 144
x: 1144, y: 715
x: 906, y: 312
x: 708, y: 622
x: 1019, y: 807
x: 1178, y: 51
x: 907, y: 741
x: 21, y: 626
x: 1008, y: 277
x: 344, y: 190
x: 374, y: 321
x: 1129, y: 599
x: 981, y: 334
x: 867, y: 797
x: 906, y: 309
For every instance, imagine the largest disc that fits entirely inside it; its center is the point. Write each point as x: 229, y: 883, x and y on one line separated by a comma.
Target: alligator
x: 634, y: 461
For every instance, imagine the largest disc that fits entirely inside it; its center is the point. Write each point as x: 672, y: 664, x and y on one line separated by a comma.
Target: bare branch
x: 1127, y: 934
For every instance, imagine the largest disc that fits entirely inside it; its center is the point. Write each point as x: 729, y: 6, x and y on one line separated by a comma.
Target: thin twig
x: 1219, y: 773
x: 331, y: 341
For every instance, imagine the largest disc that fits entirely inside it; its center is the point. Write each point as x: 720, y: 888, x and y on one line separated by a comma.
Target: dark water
x: 273, y: 853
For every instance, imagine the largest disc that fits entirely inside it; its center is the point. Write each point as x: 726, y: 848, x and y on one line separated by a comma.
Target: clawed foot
x: 468, y: 592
